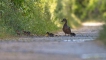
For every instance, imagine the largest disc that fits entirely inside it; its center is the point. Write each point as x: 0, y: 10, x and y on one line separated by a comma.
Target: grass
x: 102, y: 36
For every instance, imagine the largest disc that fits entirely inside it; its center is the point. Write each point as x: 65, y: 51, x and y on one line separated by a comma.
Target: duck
x: 26, y: 33
x: 66, y: 29
x: 49, y: 34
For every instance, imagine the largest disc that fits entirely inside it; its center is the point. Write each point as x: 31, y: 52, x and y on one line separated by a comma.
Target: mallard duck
x: 66, y: 28
x: 49, y: 34
x: 26, y: 33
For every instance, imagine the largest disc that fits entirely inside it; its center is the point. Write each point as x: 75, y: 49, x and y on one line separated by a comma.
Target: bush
x: 102, y: 36
x: 33, y: 16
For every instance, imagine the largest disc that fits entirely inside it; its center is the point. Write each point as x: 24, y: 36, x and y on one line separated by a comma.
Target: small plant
x: 102, y: 36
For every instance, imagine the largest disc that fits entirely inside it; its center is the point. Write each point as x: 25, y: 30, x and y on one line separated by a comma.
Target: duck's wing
x: 67, y: 27
x: 67, y: 30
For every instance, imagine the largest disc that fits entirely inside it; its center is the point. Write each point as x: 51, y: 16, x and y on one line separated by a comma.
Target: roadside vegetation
x: 102, y: 36
x: 41, y: 16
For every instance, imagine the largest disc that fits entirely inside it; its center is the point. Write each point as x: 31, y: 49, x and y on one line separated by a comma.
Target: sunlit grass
x: 104, y: 14
x: 76, y: 18
x: 74, y: 22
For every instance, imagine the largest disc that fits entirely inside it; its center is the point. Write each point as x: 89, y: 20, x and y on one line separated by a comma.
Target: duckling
x: 26, y: 33
x: 73, y: 34
x: 66, y: 29
x: 49, y: 34
x: 18, y: 32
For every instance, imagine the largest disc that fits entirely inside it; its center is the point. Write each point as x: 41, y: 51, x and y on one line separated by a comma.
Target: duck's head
x: 64, y: 20
x: 47, y: 32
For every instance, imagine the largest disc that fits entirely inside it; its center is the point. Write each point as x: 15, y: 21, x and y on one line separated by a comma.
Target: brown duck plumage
x: 66, y: 28
x: 26, y: 33
x: 18, y: 32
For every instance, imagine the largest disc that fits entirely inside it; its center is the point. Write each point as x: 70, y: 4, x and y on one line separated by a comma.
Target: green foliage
x: 102, y: 36
x: 33, y: 16
x: 40, y: 16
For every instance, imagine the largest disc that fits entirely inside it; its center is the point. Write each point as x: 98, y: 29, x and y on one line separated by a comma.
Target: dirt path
x: 82, y: 47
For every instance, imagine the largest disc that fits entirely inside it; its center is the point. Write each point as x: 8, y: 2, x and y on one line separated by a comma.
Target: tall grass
x: 102, y: 36
x: 27, y: 16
